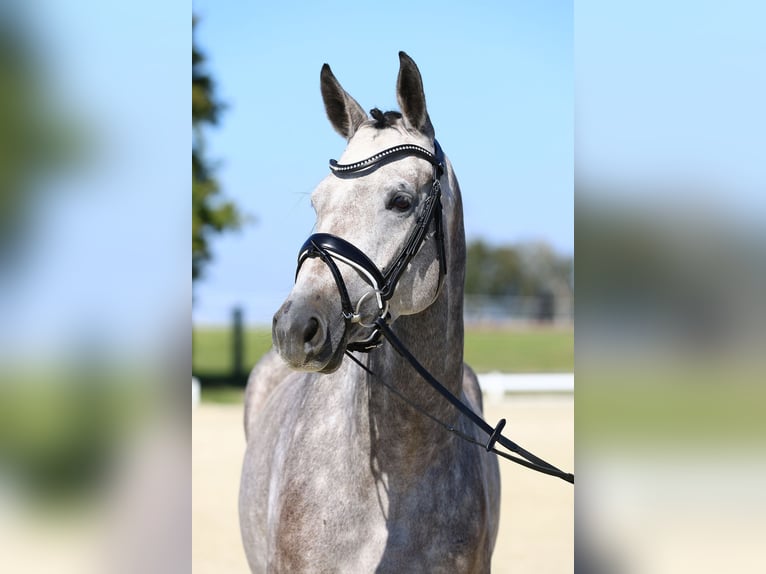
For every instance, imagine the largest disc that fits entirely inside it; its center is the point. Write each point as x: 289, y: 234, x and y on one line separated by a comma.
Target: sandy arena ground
x: 537, y: 514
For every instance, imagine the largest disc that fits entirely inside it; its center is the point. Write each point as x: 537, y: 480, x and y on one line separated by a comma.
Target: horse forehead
x: 348, y: 207
x: 370, y: 140
x: 368, y: 190
x: 343, y: 194
x: 334, y: 190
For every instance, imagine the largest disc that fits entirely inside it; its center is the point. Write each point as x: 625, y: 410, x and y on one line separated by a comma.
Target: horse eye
x: 401, y: 203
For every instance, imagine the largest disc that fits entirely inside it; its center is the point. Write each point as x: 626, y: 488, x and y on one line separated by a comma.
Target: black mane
x: 384, y: 119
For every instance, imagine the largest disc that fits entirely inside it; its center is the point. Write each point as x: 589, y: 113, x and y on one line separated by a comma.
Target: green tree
x: 526, y: 269
x: 38, y: 139
x: 493, y: 271
x: 211, y: 213
x: 477, y: 261
x: 507, y: 276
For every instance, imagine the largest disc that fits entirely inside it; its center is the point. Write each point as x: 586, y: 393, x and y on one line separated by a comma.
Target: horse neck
x: 435, y: 338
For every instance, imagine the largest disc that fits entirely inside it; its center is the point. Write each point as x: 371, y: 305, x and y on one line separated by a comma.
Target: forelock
x: 384, y: 119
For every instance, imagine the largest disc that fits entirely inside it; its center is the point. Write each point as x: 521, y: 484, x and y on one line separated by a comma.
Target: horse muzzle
x: 303, y: 338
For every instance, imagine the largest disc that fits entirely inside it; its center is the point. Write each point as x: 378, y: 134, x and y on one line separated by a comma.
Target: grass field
x: 530, y: 350
x: 212, y: 348
x: 521, y: 350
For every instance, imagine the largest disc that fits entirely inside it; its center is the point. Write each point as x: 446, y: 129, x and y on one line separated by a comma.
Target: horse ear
x: 411, y: 97
x: 343, y: 111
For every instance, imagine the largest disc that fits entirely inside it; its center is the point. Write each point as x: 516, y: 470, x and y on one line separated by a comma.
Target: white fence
x: 496, y: 385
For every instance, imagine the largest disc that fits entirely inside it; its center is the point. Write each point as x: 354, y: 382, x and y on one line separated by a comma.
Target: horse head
x: 367, y: 214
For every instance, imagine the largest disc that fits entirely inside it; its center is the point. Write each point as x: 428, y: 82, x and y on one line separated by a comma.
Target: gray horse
x: 341, y: 474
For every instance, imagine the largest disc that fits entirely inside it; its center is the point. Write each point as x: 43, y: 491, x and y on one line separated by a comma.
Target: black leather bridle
x: 332, y: 249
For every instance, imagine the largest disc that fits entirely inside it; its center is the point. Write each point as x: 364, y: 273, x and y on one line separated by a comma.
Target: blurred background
x: 661, y: 106
x: 94, y: 289
x: 670, y: 207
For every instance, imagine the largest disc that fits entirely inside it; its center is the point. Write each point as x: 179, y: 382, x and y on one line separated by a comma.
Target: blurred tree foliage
x: 526, y: 269
x: 211, y: 213
x: 36, y: 138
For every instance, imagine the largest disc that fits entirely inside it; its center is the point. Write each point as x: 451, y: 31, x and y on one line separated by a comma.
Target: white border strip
x: 497, y: 384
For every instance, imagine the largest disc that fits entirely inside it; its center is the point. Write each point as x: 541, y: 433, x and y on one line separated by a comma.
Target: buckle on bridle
x: 356, y: 316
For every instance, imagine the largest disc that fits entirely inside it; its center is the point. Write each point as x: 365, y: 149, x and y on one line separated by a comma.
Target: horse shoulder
x: 267, y: 374
x: 491, y: 469
x: 472, y: 389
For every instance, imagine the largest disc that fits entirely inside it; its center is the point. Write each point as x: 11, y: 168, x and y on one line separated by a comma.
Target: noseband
x: 331, y: 248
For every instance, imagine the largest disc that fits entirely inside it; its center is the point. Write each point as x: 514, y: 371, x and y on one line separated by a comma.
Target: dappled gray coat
x: 340, y: 474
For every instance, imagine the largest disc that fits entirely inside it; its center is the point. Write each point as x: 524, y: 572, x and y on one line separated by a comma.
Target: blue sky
x: 499, y: 85
x: 107, y: 249
x: 673, y: 93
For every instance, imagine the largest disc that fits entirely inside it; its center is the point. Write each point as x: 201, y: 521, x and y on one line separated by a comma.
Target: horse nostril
x: 311, y: 330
